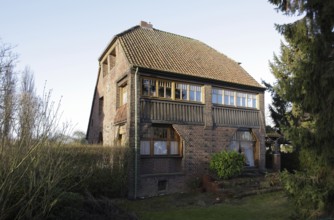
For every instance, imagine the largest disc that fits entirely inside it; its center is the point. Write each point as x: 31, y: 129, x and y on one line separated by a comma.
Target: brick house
x: 175, y: 101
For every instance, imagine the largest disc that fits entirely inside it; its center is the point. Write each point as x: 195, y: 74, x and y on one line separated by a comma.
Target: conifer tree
x: 305, y: 78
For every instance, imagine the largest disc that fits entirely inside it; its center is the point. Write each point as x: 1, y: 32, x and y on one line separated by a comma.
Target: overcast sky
x: 61, y: 40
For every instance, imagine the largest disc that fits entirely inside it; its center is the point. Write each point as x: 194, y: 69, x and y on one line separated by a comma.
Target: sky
x: 61, y: 40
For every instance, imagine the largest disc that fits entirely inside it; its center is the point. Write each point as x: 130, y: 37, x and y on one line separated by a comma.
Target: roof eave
x: 113, y: 40
x: 202, y: 79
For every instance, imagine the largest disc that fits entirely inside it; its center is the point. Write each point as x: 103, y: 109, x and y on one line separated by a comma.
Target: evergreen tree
x: 279, y: 109
x: 305, y: 77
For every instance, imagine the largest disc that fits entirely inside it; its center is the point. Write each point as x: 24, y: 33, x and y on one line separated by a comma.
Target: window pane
x: 198, y: 96
x: 254, y: 103
x: 124, y: 95
x: 152, y: 88
x: 174, y: 147
x: 161, y: 89
x: 217, y: 96
x: 245, y: 136
x: 229, y: 98
x: 145, y: 147
x: 214, y: 98
x: 160, y: 147
x: 249, y: 101
x: 160, y: 133
x: 184, y: 92
x: 178, y: 91
x: 145, y: 87
x: 192, y: 95
x: 220, y: 99
x: 241, y: 99
x: 168, y: 89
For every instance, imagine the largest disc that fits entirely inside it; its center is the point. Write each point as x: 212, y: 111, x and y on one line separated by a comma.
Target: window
x: 195, y: 93
x: 165, y: 89
x: 243, y: 141
x: 101, y: 105
x: 170, y: 90
x: 181, y: 91
x: 228, y: 97
x: 123, y: 95
x: 149, y: 87
x: 241, y: 99
x: 217, y: 96
x: 251, y: 100
x: 160, y: 141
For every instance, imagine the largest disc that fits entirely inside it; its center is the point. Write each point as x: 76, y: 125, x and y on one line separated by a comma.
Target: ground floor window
x: 160, y: 141
x: 244, y: 141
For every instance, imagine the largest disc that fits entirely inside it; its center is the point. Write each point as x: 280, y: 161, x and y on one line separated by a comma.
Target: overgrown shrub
x: 107, y: 166
x: 226, y: 164
x: 33, y: 182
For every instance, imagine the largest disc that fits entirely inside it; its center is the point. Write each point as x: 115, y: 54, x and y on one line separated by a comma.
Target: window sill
x: 233, y: 106
x: 172, y: 100
x: 163, y: 174
x: 159, y: 156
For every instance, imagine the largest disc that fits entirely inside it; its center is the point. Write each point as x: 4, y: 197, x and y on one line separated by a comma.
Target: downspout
x: 136, y: 133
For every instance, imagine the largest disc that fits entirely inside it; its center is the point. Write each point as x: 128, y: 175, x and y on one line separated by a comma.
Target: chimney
x: 144, y: 24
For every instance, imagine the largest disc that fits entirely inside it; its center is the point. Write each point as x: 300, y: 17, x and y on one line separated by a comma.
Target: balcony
x: 225, y: 116
x: 171, y: 111
x: 163, y: 111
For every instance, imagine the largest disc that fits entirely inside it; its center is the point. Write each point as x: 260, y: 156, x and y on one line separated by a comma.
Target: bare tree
x: 27, y: 107
x: 7, y: 91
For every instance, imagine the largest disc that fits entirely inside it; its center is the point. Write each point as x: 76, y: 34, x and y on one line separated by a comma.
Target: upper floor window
x: 195, y: 93
x: 171, y: 90
x: 241, y: 99
x: 233, y: 98
x: 181, y: 91
x: 165, y: 89
x: 217, y: 96
x: 251, y: 100
x: 228, y: 97
x: 149, y: 87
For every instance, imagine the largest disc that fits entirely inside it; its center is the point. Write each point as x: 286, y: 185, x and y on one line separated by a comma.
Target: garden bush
x: 227, y: 164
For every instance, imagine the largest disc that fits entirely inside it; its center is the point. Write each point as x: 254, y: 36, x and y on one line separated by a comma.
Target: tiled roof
x: 159, y: 50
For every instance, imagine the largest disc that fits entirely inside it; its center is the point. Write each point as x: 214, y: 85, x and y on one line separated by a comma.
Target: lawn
x: 206, y: 206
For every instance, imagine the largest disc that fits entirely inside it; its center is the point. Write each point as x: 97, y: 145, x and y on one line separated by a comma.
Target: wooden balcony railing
x: 161, y: 111
x: 237, y: 117
x: 171, y: 111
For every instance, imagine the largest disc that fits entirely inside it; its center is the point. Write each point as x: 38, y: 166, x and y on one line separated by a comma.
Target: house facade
x: 174, y: 101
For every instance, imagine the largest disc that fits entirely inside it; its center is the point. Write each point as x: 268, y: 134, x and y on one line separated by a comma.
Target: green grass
x: 201, y: 206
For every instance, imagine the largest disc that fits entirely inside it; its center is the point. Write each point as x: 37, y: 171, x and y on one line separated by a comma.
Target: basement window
x: 162, y: 185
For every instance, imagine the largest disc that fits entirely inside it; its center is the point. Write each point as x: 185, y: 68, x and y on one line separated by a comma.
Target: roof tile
x: 163, y: 51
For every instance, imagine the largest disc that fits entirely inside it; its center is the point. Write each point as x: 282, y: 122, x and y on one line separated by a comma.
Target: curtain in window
x: 160, y: 147
x: 174, y: 147
x: 145, y: 147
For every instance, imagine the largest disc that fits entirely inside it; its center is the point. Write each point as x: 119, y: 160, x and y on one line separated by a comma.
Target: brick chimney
x: 144, y: 24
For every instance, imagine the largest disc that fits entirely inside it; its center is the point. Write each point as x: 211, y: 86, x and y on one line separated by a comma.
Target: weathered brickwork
x: 115, y: 124
x: 107, y: 87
